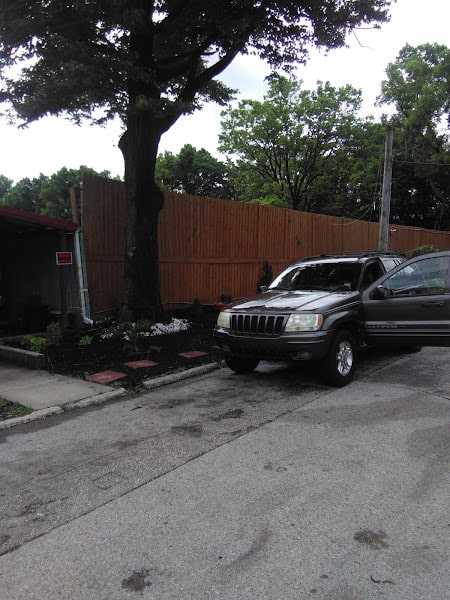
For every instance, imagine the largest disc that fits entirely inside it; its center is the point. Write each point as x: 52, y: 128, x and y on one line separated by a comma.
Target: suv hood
x: 291, y: 301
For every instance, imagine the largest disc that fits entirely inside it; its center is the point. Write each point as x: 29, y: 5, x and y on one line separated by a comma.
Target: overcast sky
x: 52, y: 143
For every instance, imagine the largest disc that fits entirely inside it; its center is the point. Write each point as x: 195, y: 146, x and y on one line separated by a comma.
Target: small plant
x: 138, y: 330
x: 53, y: 334
x: 117, y: 331
x: 157, y: 349
x: 11, y: 410
x: 128, y: 331
x: 34, y: 343
x: 426, y: 249
x: 266, y: 276
x: 85, y: 341
x: 197, y: 310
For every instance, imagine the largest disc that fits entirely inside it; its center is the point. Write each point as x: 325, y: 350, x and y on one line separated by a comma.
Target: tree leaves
x: 281, y: 146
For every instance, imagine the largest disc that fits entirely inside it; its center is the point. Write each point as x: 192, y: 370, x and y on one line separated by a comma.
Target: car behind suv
x: 316, y: 310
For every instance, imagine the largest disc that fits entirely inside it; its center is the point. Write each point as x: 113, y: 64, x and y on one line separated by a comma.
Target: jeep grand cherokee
x: 325, y: 307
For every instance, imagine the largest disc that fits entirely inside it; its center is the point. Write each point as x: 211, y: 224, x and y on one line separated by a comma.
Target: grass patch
x: 11, y: 410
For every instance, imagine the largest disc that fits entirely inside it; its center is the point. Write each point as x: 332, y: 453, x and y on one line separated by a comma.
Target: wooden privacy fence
x: 210, y: 247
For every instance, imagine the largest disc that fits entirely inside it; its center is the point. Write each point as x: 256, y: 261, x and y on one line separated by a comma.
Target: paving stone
x: 105, y: 376
x: 193, y: 354
x: 139, y: 364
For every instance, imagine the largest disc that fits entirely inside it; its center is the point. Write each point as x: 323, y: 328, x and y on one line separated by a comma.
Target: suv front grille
x: 257, y: 324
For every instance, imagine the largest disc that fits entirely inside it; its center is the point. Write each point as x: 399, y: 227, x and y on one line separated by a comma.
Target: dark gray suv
x: 324, y: 308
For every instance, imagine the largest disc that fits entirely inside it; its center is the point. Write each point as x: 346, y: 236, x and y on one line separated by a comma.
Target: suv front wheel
x: 241, y: 365
x: 339, y: 364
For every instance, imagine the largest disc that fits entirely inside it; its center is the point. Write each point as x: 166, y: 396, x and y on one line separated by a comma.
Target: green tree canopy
x: 5, y: 185
x: 194, y: 172
x: 350, y: 185
x: 418, y: 84
x: 48, y: 195
x: 149, y: 61
x: 282, y: 146
x: 24, y: 195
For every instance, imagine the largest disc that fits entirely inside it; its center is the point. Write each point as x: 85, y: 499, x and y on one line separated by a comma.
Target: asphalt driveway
x: 265, y: 486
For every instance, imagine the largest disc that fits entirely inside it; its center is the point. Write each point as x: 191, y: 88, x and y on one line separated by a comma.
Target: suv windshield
x: 329, y: 277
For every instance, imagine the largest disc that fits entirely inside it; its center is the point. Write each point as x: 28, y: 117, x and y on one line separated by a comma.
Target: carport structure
x: 41, y: 273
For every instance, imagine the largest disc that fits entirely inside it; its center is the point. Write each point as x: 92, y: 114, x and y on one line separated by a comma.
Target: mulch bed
x: 196, y: 344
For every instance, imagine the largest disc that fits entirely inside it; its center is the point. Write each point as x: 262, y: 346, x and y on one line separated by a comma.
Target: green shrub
x: 426, y: 249
x: 85, y: 341
x: 53, y: 334
x: 266, y: 276
x: 34, y: 343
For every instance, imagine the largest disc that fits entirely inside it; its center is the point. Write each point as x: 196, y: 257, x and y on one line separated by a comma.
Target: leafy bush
x: 426, y: 249
x: 266, y: 276
x: 85, y: 341
x: 53, y: 334
x: 34, y: 343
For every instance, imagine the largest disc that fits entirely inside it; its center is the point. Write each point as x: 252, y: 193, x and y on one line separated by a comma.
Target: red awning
x: 14, y: 215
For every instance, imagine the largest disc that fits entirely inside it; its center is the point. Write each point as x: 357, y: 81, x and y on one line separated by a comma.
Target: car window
x: 329, y: 276
x: 372, y: 272
x: 391, y: 262
x: 424, y: 277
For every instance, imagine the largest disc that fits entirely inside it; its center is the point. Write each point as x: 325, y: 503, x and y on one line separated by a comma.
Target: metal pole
x: 386, y: 194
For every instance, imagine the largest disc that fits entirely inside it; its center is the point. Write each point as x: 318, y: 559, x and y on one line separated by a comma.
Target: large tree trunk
x: 144, y: 200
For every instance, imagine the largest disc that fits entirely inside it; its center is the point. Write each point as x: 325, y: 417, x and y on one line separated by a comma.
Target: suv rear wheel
x: 339, y: 364
x: 241, y: 365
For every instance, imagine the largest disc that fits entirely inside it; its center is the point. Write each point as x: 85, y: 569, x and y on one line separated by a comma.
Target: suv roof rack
x: 356, y: 254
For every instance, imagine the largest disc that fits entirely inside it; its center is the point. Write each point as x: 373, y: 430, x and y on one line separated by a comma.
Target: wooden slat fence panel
x: 210, y: 247
x: 103, y: 227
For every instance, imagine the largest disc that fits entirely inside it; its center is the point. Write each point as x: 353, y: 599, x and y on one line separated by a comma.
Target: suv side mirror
x: 263, y: 288
x: 379, y: 293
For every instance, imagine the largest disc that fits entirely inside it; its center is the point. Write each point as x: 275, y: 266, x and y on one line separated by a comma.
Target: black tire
x: 241, y: 365
x: 339, y: 364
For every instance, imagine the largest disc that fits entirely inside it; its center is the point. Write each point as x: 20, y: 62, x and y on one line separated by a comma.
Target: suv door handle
x: 432, y: 304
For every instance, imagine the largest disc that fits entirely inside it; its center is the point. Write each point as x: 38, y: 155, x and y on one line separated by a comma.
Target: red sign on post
x: 64, y: 258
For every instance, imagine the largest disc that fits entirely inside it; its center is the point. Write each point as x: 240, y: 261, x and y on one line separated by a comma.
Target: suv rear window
x: 391, y: 262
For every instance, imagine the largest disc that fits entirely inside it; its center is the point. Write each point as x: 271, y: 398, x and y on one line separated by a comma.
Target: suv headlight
x: 223, y: 320
x: 303, y: 322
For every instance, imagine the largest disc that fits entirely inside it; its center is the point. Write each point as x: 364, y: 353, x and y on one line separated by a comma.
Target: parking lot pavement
x: 264, y: 486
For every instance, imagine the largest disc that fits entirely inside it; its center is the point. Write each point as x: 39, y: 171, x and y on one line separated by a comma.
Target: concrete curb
x: 65, y: 407
x: 100, y: 398
x: 180, y: 375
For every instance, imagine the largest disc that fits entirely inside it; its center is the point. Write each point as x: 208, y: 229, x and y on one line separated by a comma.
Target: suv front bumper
x: 286, y: 347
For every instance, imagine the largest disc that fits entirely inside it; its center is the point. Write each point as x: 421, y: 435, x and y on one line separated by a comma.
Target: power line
x: 412, y: 162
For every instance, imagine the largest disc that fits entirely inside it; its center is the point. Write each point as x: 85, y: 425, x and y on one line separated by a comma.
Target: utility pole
x: 386, y: 194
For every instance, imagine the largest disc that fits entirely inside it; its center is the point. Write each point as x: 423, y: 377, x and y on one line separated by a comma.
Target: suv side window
x: 372, y: 272
x: 424, y: 278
